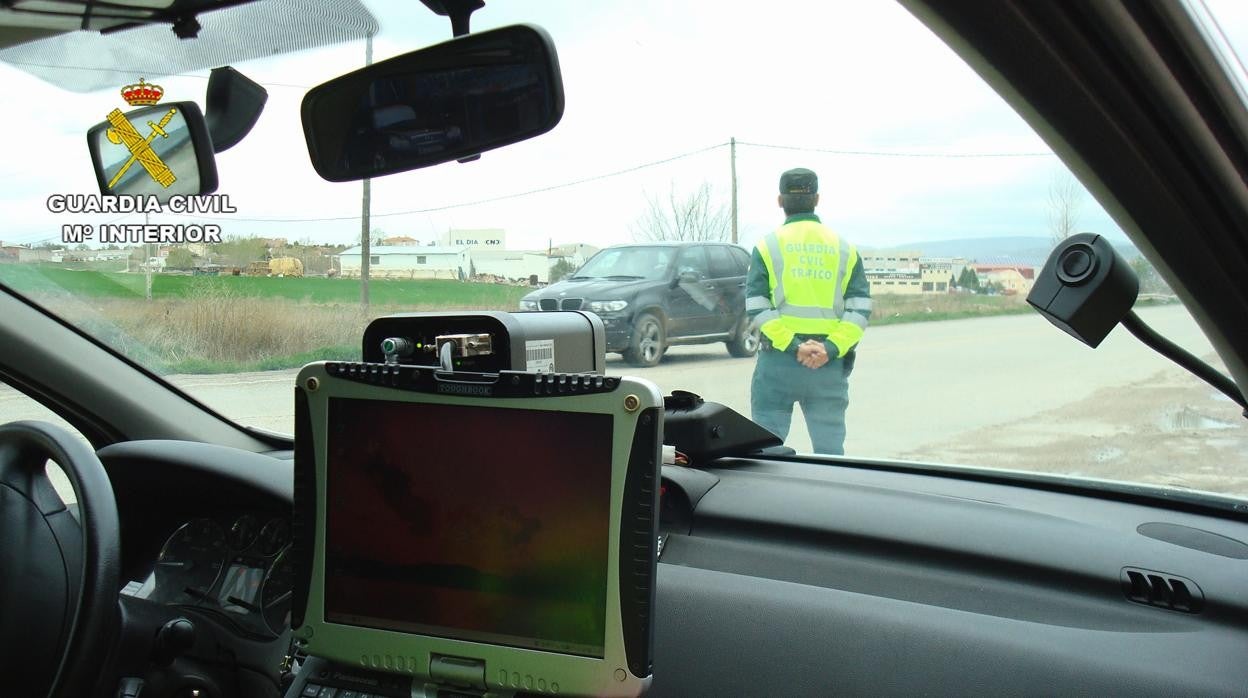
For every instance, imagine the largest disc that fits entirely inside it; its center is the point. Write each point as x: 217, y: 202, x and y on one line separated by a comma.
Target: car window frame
x: 732, y: 268
x: 700, y: 250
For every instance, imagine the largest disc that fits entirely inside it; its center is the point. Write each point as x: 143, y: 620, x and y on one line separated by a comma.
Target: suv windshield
x: 947, y: 202
x: 628, y: 263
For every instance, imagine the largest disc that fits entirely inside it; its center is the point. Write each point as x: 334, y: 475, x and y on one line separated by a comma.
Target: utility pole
x: 147, y: 263
x: 732, y: 149
x: 365, y: 204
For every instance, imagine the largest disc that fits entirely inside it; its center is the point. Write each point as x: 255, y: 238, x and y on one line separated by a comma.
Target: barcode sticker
x: 540, y: 355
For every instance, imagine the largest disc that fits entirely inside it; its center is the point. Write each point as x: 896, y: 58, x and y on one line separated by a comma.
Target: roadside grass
x: 272, y: 363
x: 218, y: 328
x: 895, y: 309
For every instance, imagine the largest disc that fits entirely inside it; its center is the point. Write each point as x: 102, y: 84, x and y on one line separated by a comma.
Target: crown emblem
x: 142, y: 94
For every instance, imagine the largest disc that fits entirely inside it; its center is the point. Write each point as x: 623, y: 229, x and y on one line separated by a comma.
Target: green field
x: 46, y: 279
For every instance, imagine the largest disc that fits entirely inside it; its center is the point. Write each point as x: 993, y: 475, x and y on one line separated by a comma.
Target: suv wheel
x: 745, y: 344
x: 648, y: 343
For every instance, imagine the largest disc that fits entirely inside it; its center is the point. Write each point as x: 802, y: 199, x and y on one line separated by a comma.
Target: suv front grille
x: 560, y: 303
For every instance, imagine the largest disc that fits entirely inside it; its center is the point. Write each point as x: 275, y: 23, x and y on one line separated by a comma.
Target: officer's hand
x: 812, y: 354
x: 821, y: 354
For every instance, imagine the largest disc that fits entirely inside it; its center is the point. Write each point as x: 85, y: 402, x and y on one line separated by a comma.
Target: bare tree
x: 1065, y: 198
x: 692, y: 217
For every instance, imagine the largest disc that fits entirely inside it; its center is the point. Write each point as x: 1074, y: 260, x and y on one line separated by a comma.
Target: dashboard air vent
x: 1162, y: 590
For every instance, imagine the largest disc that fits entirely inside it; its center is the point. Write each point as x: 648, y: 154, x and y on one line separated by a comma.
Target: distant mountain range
x: 1032, y: 251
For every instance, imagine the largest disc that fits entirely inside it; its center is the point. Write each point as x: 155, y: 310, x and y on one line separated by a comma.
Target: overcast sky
x: 645, y: 81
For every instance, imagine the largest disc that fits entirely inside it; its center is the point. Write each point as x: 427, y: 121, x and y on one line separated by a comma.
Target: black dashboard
x: 822, y: 580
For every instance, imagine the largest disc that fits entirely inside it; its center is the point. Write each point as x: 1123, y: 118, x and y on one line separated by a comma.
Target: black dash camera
x: 1085, y: 288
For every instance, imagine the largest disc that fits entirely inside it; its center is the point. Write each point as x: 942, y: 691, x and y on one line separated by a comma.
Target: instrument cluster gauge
x: 276, y: 594
x: 274, y: 536
x: 243, y: 532
x: 190, y: 562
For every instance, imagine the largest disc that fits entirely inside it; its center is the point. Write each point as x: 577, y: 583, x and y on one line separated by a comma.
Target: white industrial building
x: 510, y: 265
x: 463, y: 254
x: 407, y: 262
x: 490, y: 259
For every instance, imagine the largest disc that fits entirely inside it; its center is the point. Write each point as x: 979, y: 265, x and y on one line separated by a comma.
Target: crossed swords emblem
x: 124, y: 133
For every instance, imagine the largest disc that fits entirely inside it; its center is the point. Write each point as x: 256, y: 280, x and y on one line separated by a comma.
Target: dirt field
x: 1171, y: 432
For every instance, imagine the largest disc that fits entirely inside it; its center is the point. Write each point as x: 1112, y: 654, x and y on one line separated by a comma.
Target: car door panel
x: 729, y: 282
x: 691, y: 303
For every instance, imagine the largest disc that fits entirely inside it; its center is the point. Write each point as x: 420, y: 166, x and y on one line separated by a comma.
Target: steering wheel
x: 59, y: 573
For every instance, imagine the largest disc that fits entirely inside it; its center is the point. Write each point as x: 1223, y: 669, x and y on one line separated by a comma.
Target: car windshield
x: 681, y: 118
x: 628, y: 263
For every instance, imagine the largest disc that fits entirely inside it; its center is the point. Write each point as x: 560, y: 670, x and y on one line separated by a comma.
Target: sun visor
x: 84, y: 61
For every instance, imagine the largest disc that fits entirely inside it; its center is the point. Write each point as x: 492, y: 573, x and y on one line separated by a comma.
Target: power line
x: 894, y: 153
x: 27, y: 240
x: 463, y: 204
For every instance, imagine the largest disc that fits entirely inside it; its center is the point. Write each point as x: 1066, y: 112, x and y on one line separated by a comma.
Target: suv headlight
x: 528, y: 305
x: 607, y: 306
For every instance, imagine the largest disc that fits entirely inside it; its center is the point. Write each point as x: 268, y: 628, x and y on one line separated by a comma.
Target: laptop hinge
x: 458, y: 671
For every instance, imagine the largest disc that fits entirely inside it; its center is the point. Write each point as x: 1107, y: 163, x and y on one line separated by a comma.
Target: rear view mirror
x: 446, y: 102
x: 160, y: 151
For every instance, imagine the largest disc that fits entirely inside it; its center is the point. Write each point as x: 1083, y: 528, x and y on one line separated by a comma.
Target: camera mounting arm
x: 460, y: 11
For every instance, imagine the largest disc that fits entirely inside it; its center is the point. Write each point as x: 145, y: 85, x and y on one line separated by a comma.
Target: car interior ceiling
x: 786, y: 576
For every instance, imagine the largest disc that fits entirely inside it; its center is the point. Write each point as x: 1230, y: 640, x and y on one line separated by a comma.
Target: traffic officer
x: 809, y: 296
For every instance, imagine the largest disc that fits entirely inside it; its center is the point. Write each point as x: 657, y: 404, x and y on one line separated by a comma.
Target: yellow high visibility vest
x: 808, y: 269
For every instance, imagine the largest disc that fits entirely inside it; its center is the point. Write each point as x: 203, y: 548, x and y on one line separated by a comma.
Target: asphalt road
x: 1000, y: 392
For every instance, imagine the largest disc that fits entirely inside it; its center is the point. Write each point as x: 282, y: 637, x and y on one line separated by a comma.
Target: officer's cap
x: 799, y: 181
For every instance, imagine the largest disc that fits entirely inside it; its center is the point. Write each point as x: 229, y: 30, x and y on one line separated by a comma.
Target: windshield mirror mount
x: 460, y: 12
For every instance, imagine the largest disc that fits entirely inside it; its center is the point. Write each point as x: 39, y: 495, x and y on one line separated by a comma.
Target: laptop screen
x: 470, y: 523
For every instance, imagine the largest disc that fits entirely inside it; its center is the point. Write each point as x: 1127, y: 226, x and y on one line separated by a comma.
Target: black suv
x: 653, y: 295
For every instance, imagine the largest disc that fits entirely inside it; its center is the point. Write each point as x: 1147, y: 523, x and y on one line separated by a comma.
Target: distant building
x: 1012, y: 278
x: 400, y: 241
x: 109, y: 255
x: 511, y: 265
x: 940, y: 274
x: 893, y: 272
x: 28, y: 255
x: 406, y: 262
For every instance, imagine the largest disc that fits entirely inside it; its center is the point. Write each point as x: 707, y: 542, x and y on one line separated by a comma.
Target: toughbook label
x: 461, y: 389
